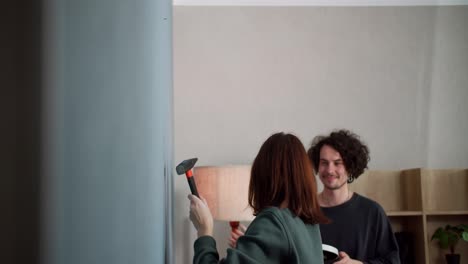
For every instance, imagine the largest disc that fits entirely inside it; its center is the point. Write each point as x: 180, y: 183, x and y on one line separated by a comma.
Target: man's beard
x: 335, y: 188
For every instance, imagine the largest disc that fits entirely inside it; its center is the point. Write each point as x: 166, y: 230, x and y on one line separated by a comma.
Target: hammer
x: 186, y: 167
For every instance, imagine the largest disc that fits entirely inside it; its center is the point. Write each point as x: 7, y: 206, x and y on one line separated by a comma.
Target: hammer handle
x: 193, y: 186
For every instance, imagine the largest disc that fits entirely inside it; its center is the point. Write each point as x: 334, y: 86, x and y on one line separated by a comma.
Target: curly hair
x: 354, y: 153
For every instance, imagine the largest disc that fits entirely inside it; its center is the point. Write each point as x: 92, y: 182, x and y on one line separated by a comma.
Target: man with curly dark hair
x: 359, y: 227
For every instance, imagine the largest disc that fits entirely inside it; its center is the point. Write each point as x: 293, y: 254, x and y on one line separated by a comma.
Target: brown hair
x: 282, y: 172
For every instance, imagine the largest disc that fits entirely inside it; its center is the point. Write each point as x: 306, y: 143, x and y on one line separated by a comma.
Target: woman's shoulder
x: 282, y: 216
x: 271, y: 212
x: 275, y: 215
x: 269, y: 223
x: 277, y: 212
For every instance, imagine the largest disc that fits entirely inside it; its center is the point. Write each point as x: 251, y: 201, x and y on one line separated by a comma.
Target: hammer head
x: 185, y: 166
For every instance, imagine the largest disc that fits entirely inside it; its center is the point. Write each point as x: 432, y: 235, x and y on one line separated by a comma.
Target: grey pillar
x: 107, y: 185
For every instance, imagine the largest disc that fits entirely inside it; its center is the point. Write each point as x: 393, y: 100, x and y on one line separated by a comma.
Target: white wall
x: 448, y: 122
x: 397, y: 76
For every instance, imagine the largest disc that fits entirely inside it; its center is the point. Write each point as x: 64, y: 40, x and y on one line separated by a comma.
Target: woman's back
x: 283, y: 196
x: 275, y: 236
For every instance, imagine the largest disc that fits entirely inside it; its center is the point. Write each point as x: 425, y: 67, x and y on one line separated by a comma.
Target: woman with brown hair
x: 283, y: 194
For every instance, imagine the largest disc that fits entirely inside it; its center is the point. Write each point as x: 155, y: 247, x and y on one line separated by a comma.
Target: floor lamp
x: 225, y: 188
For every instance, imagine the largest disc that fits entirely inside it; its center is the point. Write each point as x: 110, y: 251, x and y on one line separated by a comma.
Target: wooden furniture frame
x: 419, y: 201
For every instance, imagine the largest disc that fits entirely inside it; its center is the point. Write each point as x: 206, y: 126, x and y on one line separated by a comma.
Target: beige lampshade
x: 225, y: 188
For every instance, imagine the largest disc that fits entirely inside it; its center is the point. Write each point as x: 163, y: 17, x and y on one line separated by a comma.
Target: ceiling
x: 319, y: 2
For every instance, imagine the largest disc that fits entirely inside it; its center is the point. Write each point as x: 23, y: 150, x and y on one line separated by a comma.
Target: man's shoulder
x: 368, y: 203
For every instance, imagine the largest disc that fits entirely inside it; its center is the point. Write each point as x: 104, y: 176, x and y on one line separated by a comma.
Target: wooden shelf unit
x: 419, y: 201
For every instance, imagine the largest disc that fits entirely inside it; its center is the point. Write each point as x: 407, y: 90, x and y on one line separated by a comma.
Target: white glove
x: 200, y: 216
